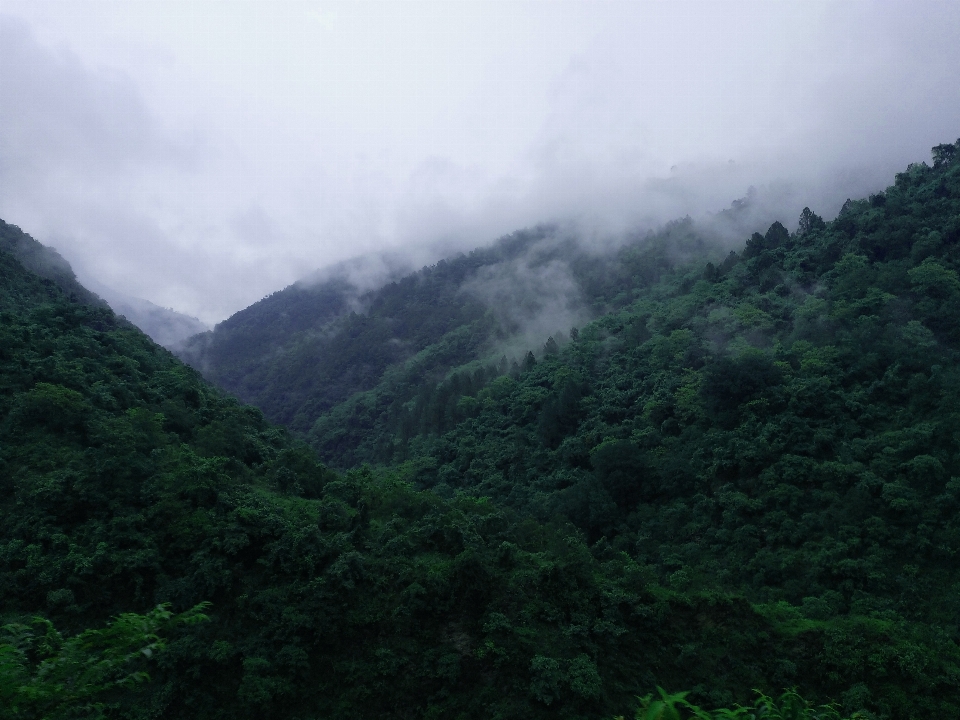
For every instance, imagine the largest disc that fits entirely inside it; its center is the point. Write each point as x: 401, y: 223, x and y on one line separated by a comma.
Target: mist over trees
x: 725, y: 470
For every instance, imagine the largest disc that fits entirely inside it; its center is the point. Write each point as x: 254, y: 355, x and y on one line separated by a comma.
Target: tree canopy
x: 741, y: 473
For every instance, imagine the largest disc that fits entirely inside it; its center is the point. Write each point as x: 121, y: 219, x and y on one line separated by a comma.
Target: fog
x: 203, y: 154
x: 532, y: 297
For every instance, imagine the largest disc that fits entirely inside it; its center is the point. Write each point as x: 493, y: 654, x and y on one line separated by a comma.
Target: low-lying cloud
x: 533, y: 297
x: 202, y: 155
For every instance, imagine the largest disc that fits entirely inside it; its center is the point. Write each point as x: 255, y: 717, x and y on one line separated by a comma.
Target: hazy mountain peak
x: 45, y: 262
x: 165, y: 326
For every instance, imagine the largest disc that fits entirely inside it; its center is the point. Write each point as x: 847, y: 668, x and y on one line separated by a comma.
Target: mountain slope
x: 783, y: 425
x: 45, y: 262
x: 164, y: 326
x: 125, y: 481
x: 741, y: 476
x: 303, y: 350
x: 780, y: 425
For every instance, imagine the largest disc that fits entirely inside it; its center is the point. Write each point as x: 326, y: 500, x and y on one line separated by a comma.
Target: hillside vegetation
x: 742, y: 474
x: 45, y: 262
x: 302, y: 351
x: 126, y: 481
x: 779, y: 423
x: 785, y: 421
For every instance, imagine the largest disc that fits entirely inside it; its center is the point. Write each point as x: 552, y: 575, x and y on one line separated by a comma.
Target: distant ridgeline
x: 303, y: 351
x: 165, y: 326
x: 743, y: 474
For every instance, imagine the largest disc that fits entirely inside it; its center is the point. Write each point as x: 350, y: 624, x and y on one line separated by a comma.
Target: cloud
x: 533, y: 296
x: 81, y: 157
x: 204, y: 154
x: 58, y: 118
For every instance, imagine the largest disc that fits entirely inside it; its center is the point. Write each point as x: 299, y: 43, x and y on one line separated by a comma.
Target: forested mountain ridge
x: 303, y: 350
x: 164, y: 326
x: 45, y: 262
x: 125, y: 481
x: 781, y: 423
x: 741, y: 476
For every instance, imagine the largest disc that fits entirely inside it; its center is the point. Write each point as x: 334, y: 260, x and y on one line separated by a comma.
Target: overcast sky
x: 202, y: 154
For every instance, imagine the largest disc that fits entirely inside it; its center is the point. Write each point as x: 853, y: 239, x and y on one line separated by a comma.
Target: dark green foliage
x: 304, y: 351
x: 621, y: 468
x: 944, y: 154
x: 789, y: 706
x: 301, y: 351
x: 91, y: 675
x: 45, y: 262
x: 781, y: 425
x: 809, y: 222
x: 739, y: 476
x: 127, y: 482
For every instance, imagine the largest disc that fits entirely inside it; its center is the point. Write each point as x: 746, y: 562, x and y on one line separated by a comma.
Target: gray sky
x: 201, y: 154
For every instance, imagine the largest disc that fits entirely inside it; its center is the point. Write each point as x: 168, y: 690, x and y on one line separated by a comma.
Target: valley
x: 534, y: 480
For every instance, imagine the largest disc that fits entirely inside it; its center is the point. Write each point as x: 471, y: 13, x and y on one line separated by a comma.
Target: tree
x: 621, y: 468
x: 44, y: 675
x: 529, y: 361
x: 755, y: 245
x: 944, y: 154
x: 788, y: 705
x: 809, y: 222
x: 776, y: 236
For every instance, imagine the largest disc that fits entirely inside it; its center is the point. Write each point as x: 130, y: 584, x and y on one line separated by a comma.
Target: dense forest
x: 739, y: 472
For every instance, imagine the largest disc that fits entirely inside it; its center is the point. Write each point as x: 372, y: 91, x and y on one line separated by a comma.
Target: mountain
x: 778, y: 423
x: 45, y: 262
x: 302, y: 351
x: 305, y: 349
x: 741, y: 474
x: 127, y: 481
x: 164, y: 326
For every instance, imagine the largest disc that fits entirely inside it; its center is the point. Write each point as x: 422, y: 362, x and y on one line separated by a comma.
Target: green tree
x: 789, y: 706
x: 809, y: 222
x: 45, y: 675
